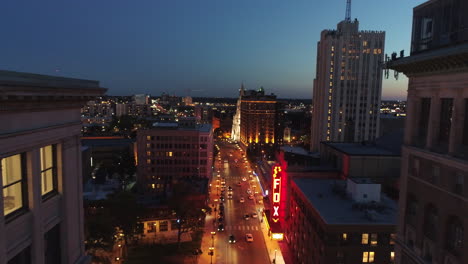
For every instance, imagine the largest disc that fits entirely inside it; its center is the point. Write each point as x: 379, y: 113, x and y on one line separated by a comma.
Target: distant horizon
x: 209, y: 47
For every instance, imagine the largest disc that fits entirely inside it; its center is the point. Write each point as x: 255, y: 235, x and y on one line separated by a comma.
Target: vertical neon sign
x: 277, y: 173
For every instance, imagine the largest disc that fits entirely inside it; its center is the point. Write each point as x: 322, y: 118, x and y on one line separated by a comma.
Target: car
x: 239, y: 184
x: 229, y: 196
x: 220, y: 227
x: 221, y: 213
x: 244, y: 179
x: 232, y: 239
x: 249, y: 237
x: 254, y: 215
x: 251, y: 197
x: 249, y: 191
x: 246, y: 217
x: 229, y: 188
x: 221, y: 219
x: 241, y: 199
x: 222, y: 199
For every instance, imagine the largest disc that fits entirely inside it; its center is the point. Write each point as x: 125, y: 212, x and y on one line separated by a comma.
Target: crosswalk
x: 242, y: 227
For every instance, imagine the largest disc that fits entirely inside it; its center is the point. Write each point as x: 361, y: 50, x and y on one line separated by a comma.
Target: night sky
x: 196, y: 47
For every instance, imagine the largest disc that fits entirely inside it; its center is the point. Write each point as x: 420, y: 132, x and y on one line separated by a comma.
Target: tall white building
x: 235, y: 132
x: 348, y: 85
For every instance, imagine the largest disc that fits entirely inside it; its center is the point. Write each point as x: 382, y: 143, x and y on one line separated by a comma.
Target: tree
x: 189, y: 214
x: 125, y: 211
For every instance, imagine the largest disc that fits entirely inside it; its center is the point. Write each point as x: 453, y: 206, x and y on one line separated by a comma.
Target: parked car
x: 246, y: 217
x: 254, y: 215
x: 241, y: 199
x: 249, y: 237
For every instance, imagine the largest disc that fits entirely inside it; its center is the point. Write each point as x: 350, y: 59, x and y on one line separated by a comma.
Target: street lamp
x: 211, y: 253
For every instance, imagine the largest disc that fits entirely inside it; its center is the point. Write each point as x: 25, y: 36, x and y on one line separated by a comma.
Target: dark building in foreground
x: 433, y: 222
x: 337, y: 221
x: 41, y: 219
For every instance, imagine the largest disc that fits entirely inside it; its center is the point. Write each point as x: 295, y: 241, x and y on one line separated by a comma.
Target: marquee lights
x: 277, y: 173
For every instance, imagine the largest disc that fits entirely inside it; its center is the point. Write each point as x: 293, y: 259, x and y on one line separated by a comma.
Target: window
x: 368, y: 257
x: 446, y: 109
x: 455, y: 234
x: 48, y: 169
x: 392, y: 256
x: 163, y: 226
x: 459, y: 182
x: 373, y: 239
x: 430, y: 222
x: 465, y: 126
x: 365, y: 239
x: 424, y: 119
x: 151, y: 227
x: 52, y: 251
x: 392, y: 239
x: 345, y: 236
x: 24, y: 257
x: 14, y: 183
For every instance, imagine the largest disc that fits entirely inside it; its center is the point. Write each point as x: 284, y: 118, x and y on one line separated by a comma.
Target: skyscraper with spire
x: 235, y: 132
x: 348, y: 84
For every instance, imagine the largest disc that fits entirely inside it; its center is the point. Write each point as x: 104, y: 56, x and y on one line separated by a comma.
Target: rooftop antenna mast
x: 348, y: 11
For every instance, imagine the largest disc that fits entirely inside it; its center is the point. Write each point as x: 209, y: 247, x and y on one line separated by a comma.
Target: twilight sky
x: 207, y: 47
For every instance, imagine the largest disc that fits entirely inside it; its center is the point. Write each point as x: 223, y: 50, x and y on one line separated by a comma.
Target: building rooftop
x: 177, y: 126
x: 299, y: 151
x: 360, y: 149
x: 7, y: 77
x: 330, y: 200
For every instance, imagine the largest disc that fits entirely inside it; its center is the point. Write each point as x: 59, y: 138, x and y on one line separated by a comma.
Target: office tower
x: 40, y: 160
x: 348, y: 85
x: 169, y: 152
x: 258, y: 118
x: 433, y: 206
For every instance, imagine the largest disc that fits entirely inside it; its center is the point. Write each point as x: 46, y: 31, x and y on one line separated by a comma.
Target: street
x: 232, y: 168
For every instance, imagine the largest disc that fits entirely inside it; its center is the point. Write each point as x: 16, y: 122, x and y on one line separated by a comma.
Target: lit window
x: 332, y: 54
x: 331, y: 62
x: 329, y: 118
x: 48, y: 169
x: 379, y: 51
x: 329, y: 111
x: 148, y: 153
x: 329, y: 104
x: 329, y: 97
x: 364, y: 43
x: 148, y: 138
x: 170, y: 153
x: 332, y: 48
x: 331, y: 83
x: 345, y: 236
x: 148, y: 161
x: 330, y: 90
x: 365, y: 239
x: 339, y: 130
x: 328, y: 124
x: 331, y: 76
x: 392, y: 256
x: 328, y: 132
x: 342, y: 78
x: 148, y: 145
x: 328, y: 138
x: 368, y: 257
x: 14, y: 186
x: 331, y: 69
x: 153, y: 186
x: 370, y: 112
x: 375, y: 51
x: 392, y: 239
x: 373, y: 239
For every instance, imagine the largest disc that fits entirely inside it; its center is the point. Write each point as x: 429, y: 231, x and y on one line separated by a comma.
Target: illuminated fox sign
x: 277, y: 177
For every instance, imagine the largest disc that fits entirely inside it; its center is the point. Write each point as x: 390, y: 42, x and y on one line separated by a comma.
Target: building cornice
x: 437, y: 61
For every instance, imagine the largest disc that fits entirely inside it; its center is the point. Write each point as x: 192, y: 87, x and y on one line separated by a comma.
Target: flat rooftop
x: 338, y: 209
x: 299, y: 151
x: 32, y: 79
x: 359, y: 149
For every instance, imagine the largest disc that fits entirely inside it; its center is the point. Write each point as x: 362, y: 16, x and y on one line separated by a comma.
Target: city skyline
x: 182, y: 47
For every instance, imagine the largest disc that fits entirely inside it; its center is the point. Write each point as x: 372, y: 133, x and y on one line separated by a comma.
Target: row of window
x: 177, y: 138
x: 14, y: 178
